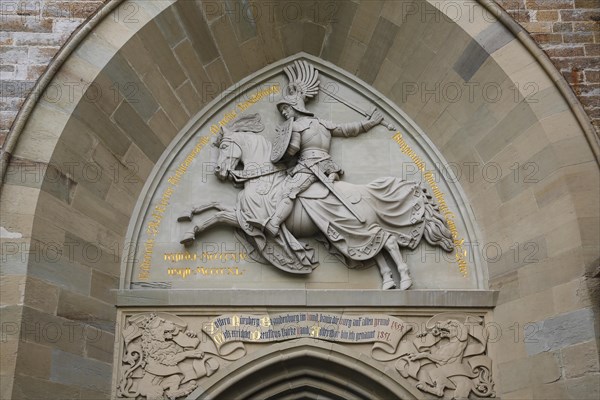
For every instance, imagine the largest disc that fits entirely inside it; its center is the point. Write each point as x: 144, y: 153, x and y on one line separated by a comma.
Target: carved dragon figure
x: 447, y: 356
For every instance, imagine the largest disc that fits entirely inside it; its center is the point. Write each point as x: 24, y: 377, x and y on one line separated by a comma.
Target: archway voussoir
x: 120, y: 93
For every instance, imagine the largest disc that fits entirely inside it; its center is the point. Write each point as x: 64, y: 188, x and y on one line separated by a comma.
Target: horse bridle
x: 245, y: 175
x: 228, y: 141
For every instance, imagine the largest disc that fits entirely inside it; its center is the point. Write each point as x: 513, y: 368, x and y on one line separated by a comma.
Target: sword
x: 356, y: 108
x: 325, y: 181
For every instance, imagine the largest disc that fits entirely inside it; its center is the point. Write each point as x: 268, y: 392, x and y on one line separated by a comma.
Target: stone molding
x: 546, y: 63
x: 211, y: 352
x: 478, y: 299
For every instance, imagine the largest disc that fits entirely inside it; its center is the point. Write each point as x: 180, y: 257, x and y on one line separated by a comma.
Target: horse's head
x: 229, y: 153
x: 241, y: 134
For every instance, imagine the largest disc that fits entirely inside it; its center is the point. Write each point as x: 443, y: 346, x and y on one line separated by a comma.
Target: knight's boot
x: 265, y: 225
x: 258, y: 223
x: 282, y: 212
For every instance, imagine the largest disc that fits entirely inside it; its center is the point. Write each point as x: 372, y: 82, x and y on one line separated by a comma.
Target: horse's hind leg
x: 386, y: 272
x: 392, y: 246
x: 197, y: 210
x: 221, y: 218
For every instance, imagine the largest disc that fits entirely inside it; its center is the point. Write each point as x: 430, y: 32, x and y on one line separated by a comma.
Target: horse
x: 396, y: 212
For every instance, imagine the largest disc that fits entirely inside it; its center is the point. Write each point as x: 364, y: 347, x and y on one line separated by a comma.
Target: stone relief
x: 162, y: 358
x: 449, y: 359
x: 445, y: 357
x: 292, y: 189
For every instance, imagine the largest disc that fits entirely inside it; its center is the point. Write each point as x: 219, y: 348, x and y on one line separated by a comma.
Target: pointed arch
x: 288, y: 369
x: 173, y: 57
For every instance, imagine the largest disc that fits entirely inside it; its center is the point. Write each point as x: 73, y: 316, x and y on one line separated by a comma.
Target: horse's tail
x: 436, y: 230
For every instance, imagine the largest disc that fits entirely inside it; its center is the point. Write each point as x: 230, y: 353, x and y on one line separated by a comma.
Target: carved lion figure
x: 163, y: 358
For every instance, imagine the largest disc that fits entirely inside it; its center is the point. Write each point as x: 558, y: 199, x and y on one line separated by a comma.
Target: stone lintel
x: 318, y: 298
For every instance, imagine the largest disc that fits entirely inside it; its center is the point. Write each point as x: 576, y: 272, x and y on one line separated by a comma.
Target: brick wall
x: 569, y: 32
x: 33, y: 31
x: 31, y: 34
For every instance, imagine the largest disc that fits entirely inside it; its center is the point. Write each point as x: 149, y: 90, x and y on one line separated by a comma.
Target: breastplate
x: 315, y: 137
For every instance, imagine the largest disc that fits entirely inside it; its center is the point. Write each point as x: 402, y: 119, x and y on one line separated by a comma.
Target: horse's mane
x: 245, y: 132
x: 247, y: 123
x: 256, y: 148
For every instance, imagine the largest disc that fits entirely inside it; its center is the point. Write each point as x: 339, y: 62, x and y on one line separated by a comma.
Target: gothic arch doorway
x: 306, y: 368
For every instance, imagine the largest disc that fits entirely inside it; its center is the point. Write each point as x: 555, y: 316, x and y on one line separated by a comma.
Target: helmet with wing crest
x: 303, y: 85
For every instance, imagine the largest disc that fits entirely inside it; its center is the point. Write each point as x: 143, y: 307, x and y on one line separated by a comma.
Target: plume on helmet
x: 303, y: 80
x: 303, y: 85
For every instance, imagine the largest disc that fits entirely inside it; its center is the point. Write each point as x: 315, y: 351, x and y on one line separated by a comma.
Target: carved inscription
x: 460, y: 253
x: 383, y: 330
x: 152, y: 228
x: 204, y: 270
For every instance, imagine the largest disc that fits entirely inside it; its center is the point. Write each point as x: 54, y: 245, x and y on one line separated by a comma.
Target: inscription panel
x: 175, y: 353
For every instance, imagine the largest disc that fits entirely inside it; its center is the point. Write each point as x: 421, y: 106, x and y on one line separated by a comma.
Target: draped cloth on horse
x: 258, y: 201
x: 390, y: 206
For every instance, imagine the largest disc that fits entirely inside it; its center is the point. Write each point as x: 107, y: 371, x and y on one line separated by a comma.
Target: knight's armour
x: 311, y: 137
x: 310, y: 133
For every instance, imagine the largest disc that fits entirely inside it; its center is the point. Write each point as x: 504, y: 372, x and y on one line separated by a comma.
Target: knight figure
x: 354, y: 222
x: 309, y: 138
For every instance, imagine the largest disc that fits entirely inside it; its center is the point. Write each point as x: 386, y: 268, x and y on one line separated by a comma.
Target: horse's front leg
x: 386, y: 272
x: 200, y: 209
x: 227, y: 217
x: 392, y: 246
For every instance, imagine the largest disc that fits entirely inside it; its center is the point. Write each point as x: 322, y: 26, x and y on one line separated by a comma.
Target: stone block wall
x: 33, y: 31
x: 557, y: 214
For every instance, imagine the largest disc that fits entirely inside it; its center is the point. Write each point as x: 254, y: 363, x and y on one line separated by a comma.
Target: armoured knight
x: 309, y: 137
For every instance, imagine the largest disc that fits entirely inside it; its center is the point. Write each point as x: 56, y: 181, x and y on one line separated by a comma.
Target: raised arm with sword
x: 309, y: 136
